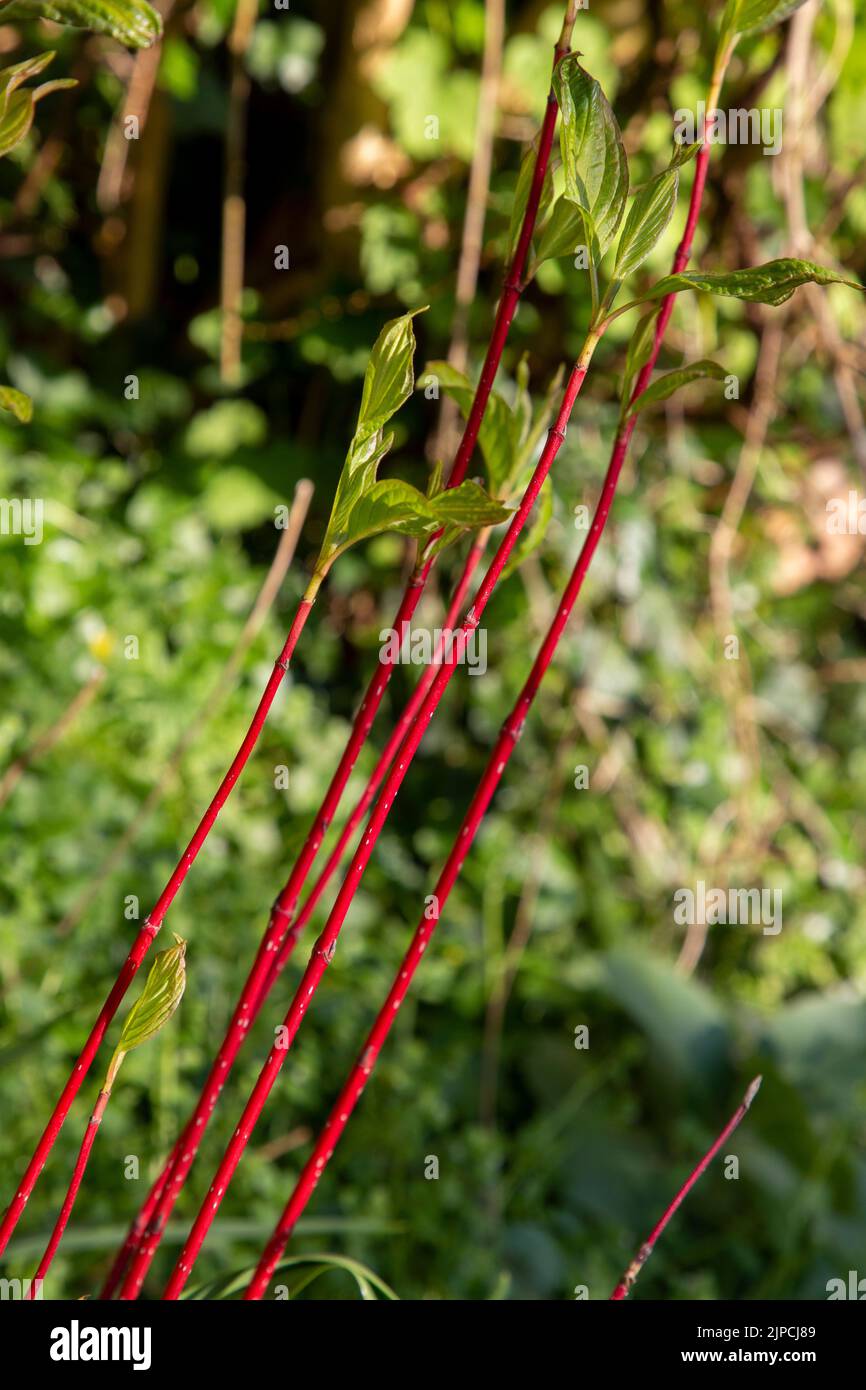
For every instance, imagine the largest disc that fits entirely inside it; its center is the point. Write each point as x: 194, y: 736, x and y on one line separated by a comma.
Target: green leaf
x: 163, y: 991
x: 771, y: 283
x: 650, y: 213
x: 596, y: 169
x: 666, y: 385
x: 521, y: 196
x: 132, y: 22
x: 468, y: 506
x: 638, y: 354
x: 17, y: 403
x: 532, y: 438
x: 388, y: 382
x: 393, y: 505
x: 390, y: 505
x: 389, y: 377
x: 648, y: 216
x: 369, y: 1284
x: 684, y: 153
x: 563, y: 233
x: 18, y: 104
x: 531, y: 536
x: 13, y: 77
x: 498, y: 437
x: 751, y: 16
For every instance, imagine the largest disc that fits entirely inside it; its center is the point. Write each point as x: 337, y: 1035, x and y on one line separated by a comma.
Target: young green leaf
x: 563, y: 233
x: 18, y: 103
x: 596, y: 169
x: 132, y: 22
x: 684, y: 153
x: 521, y: 196
x: 468, y: 506
x: 388, y: 382
x: 648, y: 216
x: 666, y: 385
x: 531, y: 536
x: 498, y: 437
x: 15, y: 76
x: 17, y: 403
x: 651, y: 210
x: 771, y: 283
x: 637, y: 354
x: 751, y: 16
x: 163, y: 991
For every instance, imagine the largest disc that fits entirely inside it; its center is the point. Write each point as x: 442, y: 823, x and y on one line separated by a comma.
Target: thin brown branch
x: 46, y: 741
x: 234, y: 203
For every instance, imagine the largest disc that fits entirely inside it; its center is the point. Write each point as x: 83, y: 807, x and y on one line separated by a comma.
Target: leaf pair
x: 132, y: 22
x: 18, y: 103
x: 365, y: 505
x: 163, y: 991
x: 597, y: 186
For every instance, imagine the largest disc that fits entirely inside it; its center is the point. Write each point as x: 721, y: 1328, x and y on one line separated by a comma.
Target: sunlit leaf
x: 666, y: 385
x: 163, y: 991
x: 132, y: 22
x: 388, y: 382
x: 498, y: 437
x: 17, y: 403
x: 469, y: 506
x: 648, y: 216
x: 751, y: 16
x: 771, y: 283
x: 596, y: 169
x: 13, y: 77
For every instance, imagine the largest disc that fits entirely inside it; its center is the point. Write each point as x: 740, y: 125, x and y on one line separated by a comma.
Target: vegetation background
x: 554, y: 1161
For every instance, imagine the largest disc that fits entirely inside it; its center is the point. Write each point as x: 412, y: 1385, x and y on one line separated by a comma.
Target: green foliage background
x: 159, y: 524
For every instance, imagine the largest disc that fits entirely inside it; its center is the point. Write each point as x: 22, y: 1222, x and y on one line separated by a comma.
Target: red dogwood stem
x: 144, y: 1238
x: 384, y: 761
x: 148, y: 932
x: 323, y: 951
x: 624, y: 1286
x: 71, y: 1193
x: 137, y: 1229
x: 282, y: 930
x: 496, y: 765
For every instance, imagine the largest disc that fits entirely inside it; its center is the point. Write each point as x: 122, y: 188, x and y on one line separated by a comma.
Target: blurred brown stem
x: 46, y: 741
x: 445, y: 442
x: 234, y: 205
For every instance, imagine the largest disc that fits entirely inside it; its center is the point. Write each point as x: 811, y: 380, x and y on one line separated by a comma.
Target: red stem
x: 323, y: 951
x: 624, y: 1286
x: 138, y: 1227
x: 273, y: 953
x: 146, y: 935
x: 71, y: 1193
x: 496, y: 765
x: 282, y: 931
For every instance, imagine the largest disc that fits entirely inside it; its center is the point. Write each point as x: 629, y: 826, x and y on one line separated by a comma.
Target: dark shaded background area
x: 554, y: 1162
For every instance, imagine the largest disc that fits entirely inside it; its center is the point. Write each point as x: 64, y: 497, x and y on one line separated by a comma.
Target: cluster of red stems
x: 287, y: 919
